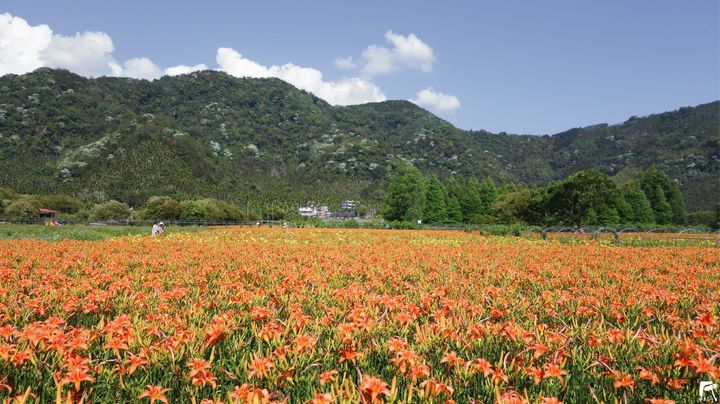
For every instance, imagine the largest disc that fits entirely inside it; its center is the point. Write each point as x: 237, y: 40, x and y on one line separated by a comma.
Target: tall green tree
x: 470, y: 199
x: 677, y: 204
x: 435, y: 210
x: 405, y: 199
x: 513, y: 206
x: 454, y: 213
x: 639, y: 210
x: 661, y: 206
x: 488, y: 195
x: 664, y: 196
x: 586, y: 197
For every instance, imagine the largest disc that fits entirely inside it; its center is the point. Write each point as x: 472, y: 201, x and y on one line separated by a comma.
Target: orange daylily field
x: 260, y: 315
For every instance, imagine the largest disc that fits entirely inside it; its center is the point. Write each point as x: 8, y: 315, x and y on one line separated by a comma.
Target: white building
x: 348, y: 205
x: 307, y: 211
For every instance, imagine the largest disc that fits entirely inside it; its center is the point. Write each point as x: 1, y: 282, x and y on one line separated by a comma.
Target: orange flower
x: 77, y: 376
x: 321, y: 398
x: 451, y: 359
x: 625, y: 382
x: 536, y: 373
x: 328, y: 376
x: 155, y: 393
x: 419, y: 372
x: 553, y: 370
x: 676, y: 383
x: 136, y: 361
x: 349, y: 354
x: 372, y: 388
x: 435, y: 388
x: 260, y: 367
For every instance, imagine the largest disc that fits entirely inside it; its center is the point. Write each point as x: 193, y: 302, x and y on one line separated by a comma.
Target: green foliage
x: 513, y: 206
x: 80, y: 232
x: 211, y: 210
x: 111, y: 210
x: 8, y: 194
x: 664, y: 197
x: 587, y: 197
x: 275, y: 211
x: 22, y: 209
x: 435, y: 209
x: 705, y: 218
x: 454, y: 212
x: 192, y: 210
x: 60, y: 203
x: 162, y: 207
x: 406, y: 195
x: 208, y: 134
x: 638, y: 209
x: 488, y: 195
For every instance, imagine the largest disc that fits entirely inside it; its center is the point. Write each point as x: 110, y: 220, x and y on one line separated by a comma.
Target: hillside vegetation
x: 208, y: 134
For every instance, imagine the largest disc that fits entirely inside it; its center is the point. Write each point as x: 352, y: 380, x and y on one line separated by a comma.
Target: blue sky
x: 520, y: 67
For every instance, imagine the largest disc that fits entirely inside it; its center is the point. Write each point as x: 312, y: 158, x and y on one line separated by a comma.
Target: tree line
x: 586, y: 198
x: 25, y: 207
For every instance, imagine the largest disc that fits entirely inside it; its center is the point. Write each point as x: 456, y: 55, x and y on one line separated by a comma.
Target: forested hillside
x: 208, y: 134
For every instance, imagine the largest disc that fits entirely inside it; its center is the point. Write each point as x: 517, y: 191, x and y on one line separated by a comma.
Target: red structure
x: 51, y: 216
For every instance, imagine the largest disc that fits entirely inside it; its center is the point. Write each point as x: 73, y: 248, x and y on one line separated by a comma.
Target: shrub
x: 7, y: 193
x: 192, y: 210
x: 701, y: 218
x: 61, y: 203
x: 22, y: 208
x: 162, y: 207
x: 210, y: 209
x: 111, y: 210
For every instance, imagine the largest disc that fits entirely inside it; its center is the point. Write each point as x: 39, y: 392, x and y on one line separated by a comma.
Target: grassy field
x: 80, y: 232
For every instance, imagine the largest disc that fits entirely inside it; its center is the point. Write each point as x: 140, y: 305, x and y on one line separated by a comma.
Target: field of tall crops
x: 261, y: 315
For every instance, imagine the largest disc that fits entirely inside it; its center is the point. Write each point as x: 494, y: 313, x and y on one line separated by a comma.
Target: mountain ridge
x: 211, y: 134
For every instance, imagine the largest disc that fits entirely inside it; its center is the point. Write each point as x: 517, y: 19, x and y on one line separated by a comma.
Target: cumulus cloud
x: 345, y: 63
x: 87, y: 53
x: 24, y: 48
x: 436, y: 101
x: 182, y: 69
x: 21, y: 45
x: 347, y: 91
x: 405, y: 52
x: 141, y: 68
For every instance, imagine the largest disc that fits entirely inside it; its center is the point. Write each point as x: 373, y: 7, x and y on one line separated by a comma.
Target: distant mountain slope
x: 210, y: 134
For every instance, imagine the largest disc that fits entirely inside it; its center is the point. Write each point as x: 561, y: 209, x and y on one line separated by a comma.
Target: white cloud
x: 87, y: 53
x: 345, y: 63
x: 141, y: 68
x: 182, y: 69
x: 21, y: 44
x: 347, y: 91
x: 436, y: 101
x: 406, y: 52
x: 24, y: 48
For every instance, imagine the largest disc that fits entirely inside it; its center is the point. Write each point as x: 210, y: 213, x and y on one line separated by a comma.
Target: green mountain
x: 210, y: 134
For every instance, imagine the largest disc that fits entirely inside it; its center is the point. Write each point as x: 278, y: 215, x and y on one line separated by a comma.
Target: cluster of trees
x: 585, y: 198
x: 166, y: 208
x: 19, y: 207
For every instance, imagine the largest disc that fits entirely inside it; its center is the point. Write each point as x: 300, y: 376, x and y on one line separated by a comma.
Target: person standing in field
x: 157, y: 229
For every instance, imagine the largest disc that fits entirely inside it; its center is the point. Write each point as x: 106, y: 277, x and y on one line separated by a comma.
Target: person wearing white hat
x: 157, y: 229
